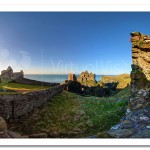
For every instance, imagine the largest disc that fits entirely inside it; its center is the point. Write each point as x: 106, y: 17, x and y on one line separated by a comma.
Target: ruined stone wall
x: 140, y: 75
x: 17, y: 75
x: 136, y: 123
x: 13, y: 106
x: 10, y: 75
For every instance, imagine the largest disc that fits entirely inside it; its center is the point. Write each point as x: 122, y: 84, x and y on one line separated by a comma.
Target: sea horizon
x: 56, y: 78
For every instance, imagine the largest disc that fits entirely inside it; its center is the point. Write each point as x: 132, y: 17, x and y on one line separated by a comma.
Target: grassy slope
x: 58, y: 117
x: 123, y: 80
x: 71, y: 115
x: 123, y: 94
x: 20, y: 87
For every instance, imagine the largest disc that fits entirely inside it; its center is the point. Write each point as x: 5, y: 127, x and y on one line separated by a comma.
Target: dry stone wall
x: 13, y: 106
x: 136, y: 123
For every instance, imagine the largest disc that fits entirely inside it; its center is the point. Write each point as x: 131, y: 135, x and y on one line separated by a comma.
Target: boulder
x: 3, y: 125
x: 121, y: 133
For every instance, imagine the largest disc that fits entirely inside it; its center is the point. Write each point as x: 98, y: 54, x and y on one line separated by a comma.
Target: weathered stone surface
x: 126, y: 124
x: 140, y: 75
x: 135, y: 38
x: 13, y: 134
x: 10, y: 75
x: 137, y: 121
x: 122, y: 133
x: 3, y: 125
x: 4, y: 132
x: 3, y: 128
x: 115, y: 127
x: 135, y: 55
x: 144, y: 134
x: 39, y: 135
x: 147, y: 59
x: 135, y: 50
x: 145, y: 45
x: 135, y: 34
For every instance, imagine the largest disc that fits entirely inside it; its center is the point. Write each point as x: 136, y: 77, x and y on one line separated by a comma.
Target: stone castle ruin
x: 10, y: 75
x: 77, y: 84
x: 86, y: 76
x: 136, y: 123
x: 16, y: 105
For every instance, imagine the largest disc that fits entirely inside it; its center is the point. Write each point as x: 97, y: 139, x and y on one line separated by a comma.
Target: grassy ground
x: 123, y: 94
x: 71, y: 115
x: 13, y: 88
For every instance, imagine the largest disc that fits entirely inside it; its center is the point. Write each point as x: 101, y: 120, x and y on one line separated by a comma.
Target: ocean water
x: 57, y: 78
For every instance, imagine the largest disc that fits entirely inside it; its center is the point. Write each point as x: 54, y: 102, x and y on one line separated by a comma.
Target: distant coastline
x: 58, y: 78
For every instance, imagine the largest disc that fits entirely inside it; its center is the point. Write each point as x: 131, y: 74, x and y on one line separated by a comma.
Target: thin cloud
x: 24, y: 52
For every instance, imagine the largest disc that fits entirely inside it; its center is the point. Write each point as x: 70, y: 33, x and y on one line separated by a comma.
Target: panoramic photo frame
x: 72, y: 82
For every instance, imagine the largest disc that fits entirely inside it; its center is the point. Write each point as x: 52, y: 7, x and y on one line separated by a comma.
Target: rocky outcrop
x: 136, y: 123
x: 4, y: 132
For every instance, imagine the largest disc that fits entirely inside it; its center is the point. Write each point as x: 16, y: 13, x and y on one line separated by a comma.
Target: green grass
x: 9, y: 93
x: 26, y: 86
x: 103, y: 113
x: 71, y: 115
x: 123, y: 94
x: 15, y: 87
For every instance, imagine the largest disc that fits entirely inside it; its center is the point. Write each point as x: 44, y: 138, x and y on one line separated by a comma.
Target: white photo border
x: 74, y: 6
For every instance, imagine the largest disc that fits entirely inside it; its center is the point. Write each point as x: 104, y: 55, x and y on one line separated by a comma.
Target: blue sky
x: 63, y: 42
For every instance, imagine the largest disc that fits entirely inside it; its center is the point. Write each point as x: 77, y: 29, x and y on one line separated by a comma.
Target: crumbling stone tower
x: 71, y: 77
x: 136, y: 123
